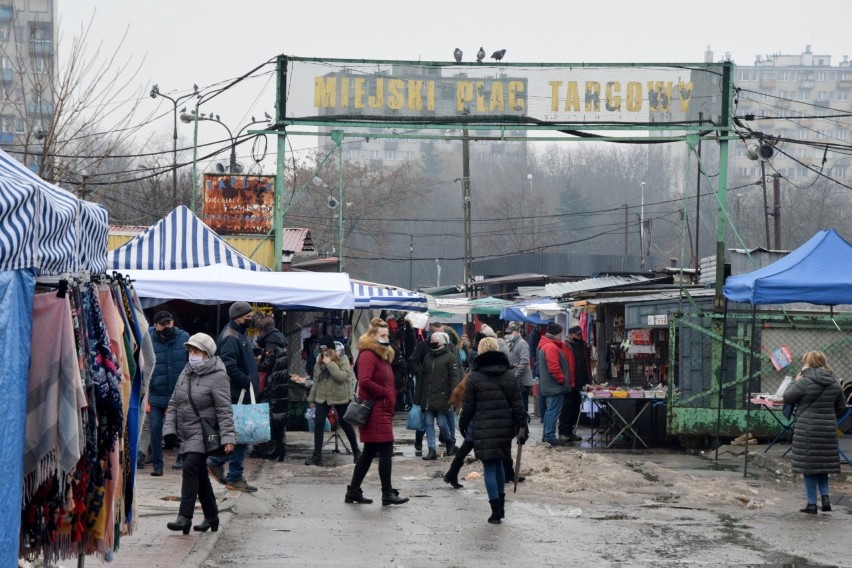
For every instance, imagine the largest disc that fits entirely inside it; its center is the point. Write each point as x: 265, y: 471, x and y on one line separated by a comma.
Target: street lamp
x: 155, y: 92
x: 187, y: 118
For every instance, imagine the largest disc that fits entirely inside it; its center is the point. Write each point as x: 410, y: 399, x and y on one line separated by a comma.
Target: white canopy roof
x: 223, y: 283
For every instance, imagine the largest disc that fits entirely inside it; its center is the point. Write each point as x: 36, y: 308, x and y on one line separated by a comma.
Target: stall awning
x: 383, y: 297
x: 46, y: 228
x: 223, y: 283
x: 538, y: 311
x: 179, y: 240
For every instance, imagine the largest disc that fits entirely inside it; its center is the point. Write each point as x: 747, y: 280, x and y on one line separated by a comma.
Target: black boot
x: 826, y: 504
x: 431, y: 455
x: 451, y: 449
x: 356, y: 454
x: 810, y: 509
x: 452, y: 478
x: 418, y: 443
x: 314, y: 460
x: 391, y: 497
x: 212, y: 524
x: 356, y: 496
x: 184, y: 524
x: 494, y: 519
x: 502, y: 500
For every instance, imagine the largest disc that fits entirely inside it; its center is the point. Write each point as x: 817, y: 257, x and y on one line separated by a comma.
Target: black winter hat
x: 327, y: 342
x: 554, y: 328
x: 162, y: 317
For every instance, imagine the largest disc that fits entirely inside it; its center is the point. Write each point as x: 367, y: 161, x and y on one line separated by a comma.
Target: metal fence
x: 777, y: 341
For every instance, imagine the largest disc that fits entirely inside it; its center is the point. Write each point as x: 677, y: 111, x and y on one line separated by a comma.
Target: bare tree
x: 78, y: 116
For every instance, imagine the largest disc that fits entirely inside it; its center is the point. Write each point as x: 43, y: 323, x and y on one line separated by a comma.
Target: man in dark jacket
x: 235, y: 350
x: 439, y: 375
x: 171, y: 358
x: 581, y: 373
x: 555, y: 379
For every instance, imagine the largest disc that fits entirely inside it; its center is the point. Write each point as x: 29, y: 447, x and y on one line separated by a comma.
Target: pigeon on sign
x: 498, y: 55
x: 480, y: 55
x: 458, y: 55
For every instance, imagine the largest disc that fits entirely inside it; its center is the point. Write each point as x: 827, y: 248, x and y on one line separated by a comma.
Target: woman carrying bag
x: 203, y: 392
x: 376, y: 384
x: 333, y: 380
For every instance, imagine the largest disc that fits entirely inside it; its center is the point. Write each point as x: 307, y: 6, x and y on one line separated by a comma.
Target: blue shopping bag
x: 251, y: 421
x: 416, y: 419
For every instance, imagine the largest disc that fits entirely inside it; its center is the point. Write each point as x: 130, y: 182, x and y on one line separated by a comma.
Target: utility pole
x: 765, y: 204
x: 698, y: 195
x: 626, y: 222
x: 642, y: 228
x: 468, y: 248
x: 776, y: 196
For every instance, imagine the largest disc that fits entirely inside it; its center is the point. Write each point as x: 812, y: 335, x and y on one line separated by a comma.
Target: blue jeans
x: 443, y: 424
x: 811, y: 483
x: 525, y: 394
x: 495, y: 478
x: 552, y: 410
x: 157, y: 416
x: 235, y: 462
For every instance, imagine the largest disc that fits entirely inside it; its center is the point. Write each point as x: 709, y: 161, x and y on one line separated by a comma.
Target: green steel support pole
x: 278, y: 198
x: 337, y: 138
x: 722, y: 202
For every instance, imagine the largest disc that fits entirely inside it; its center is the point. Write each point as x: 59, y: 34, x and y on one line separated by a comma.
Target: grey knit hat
x: 239, y: 309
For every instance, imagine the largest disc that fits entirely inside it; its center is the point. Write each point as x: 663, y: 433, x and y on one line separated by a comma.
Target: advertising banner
x: 238, y: 204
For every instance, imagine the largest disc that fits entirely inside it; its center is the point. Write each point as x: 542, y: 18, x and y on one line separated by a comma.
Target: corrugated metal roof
x: 511, y: 279
x: 651, y: 297
x: 297, y: 241
x: 566, y: 288
x: 559, y: 264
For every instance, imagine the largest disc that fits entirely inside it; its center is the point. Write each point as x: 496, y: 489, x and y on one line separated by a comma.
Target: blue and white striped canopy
x: 46, y: 228
x: 380, y: 297
x: 178, y: 240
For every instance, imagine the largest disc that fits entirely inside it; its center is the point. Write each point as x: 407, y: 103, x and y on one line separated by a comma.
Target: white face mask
x: 384, y: 341
x: 195, y: 361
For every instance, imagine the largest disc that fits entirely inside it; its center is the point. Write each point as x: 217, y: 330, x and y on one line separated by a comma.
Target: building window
x: 745, y: 76
x: 783, y: 94
x: 801, y: 171
x: 803, y: 95
x: 840, y: 172
x: 782, y: 75
x: 374, y: 154
x: 409, y: 155
x: 41, y: 64
x: 842, y: 96
x: 822, y: 95
x: 800, y: 153
x: 842, y: 134
x: 822, y: 75
x: 390, y: 155
x: 740, y: 152
x: 353, y: 155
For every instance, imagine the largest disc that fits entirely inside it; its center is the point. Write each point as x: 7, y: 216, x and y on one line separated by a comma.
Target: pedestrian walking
x: 439, y: 375
x: 493, y: 401
x: 819, y: 401
x: 555, y: 379
x: 202, y: 391
x: 376, y: 384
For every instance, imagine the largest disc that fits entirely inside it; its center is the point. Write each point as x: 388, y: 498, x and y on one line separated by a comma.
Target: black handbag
x: 209, y: 429
x: 358, y: 412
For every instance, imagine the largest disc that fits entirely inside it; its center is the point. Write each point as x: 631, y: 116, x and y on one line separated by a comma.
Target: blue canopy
x: 517, y: 312
x: 818, y: 272
x: 382, y: 297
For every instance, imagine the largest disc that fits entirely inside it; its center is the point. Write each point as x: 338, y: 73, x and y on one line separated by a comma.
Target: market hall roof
x: 561, y: 289
x: 178, y: 240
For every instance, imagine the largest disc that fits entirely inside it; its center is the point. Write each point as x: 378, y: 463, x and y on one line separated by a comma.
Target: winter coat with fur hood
x: 211, y: 393
x: 376, y: 383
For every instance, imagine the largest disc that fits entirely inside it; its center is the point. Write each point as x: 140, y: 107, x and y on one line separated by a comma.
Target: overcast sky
x: 209, y: 41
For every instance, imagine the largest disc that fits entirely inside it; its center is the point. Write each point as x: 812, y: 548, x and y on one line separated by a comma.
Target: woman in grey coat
x: 206, y: 377
x: 819, y: 401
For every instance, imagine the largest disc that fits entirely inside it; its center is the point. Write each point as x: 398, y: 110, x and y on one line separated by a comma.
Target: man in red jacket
x: 554, y: 379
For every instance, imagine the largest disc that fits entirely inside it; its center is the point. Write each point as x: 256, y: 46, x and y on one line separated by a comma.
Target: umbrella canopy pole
x: 721, y: 373
x: 748, y: 386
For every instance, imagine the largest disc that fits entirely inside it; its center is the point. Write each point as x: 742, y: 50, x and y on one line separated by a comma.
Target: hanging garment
x: 54, y: 430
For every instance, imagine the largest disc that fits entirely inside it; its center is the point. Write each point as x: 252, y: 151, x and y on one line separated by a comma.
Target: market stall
x: 70, y: 350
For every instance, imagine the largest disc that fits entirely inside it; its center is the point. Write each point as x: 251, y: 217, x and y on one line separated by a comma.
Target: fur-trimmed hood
x: 367, y: 343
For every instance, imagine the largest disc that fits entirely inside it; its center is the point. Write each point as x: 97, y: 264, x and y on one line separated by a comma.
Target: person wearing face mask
x: 202, y: 391
x: 439, y: 375
x: 170, y: 360
x: 519, y: 357
x: 235, y: 350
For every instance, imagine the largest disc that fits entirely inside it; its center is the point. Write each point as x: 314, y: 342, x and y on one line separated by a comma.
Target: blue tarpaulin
x: 818, y: 272
x: 519, y: 312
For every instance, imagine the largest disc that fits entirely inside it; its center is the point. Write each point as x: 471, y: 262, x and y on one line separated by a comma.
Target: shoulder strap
x: 189, y: 395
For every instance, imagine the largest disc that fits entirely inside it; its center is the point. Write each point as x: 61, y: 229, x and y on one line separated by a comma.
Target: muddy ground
x: 579, y: 506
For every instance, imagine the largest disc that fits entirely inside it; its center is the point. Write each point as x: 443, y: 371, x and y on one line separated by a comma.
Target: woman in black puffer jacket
x: 819, y: 401
x: 493, y: 400
x: 273, y: 362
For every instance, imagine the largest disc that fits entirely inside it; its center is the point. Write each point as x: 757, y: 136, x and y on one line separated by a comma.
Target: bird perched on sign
x: 458, y: 55
x: 498, y: 55
x: 480, y: 55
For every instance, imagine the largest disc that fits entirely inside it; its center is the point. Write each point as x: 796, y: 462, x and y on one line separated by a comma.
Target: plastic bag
x: 416, y: 419
x: 310, y: 415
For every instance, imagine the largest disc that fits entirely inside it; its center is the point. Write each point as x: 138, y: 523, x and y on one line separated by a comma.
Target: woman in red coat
x: 376, y: 383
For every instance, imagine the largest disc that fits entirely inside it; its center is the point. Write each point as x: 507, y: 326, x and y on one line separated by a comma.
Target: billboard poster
x: 238, y: 204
